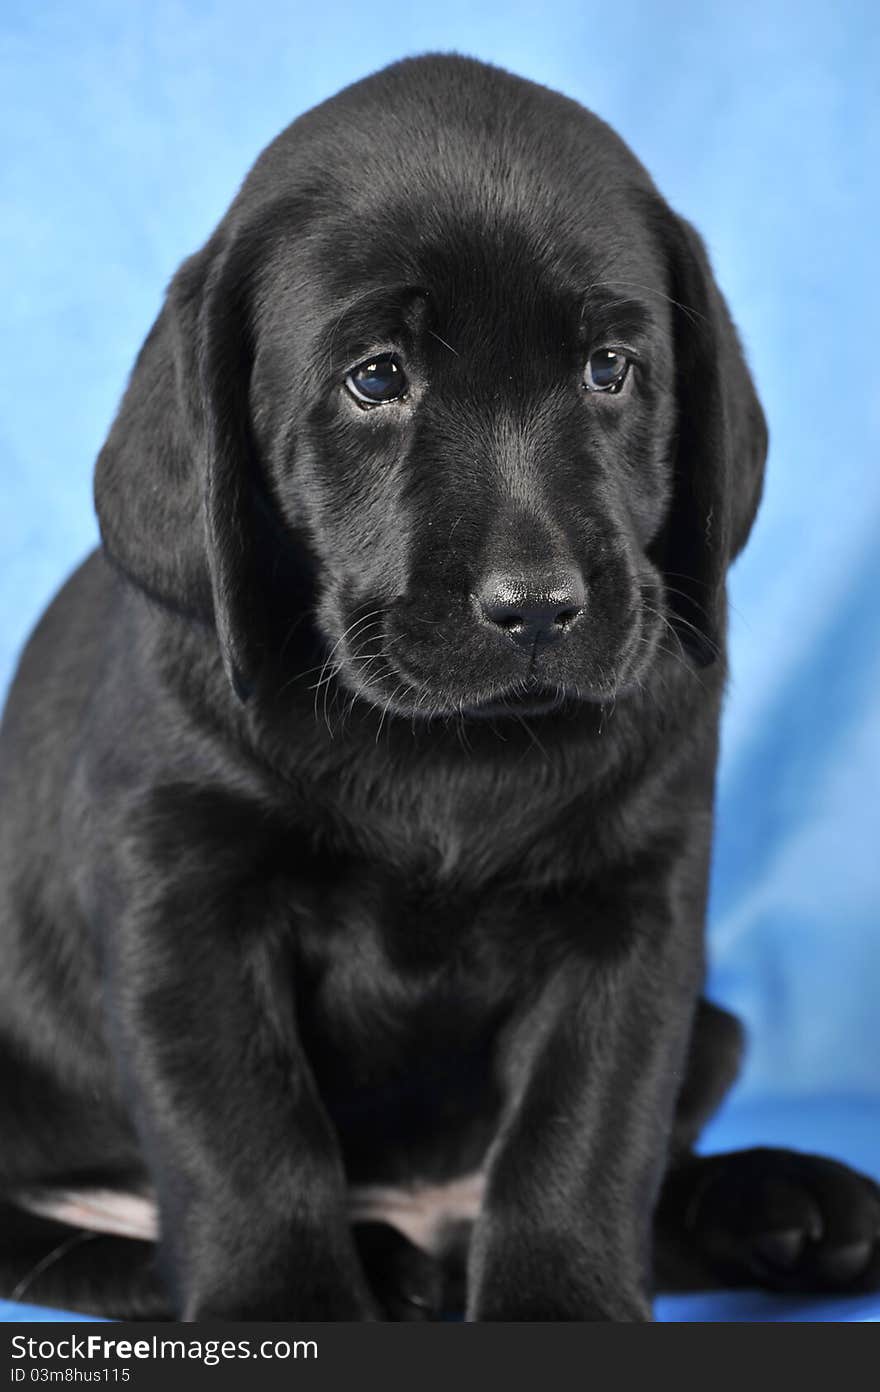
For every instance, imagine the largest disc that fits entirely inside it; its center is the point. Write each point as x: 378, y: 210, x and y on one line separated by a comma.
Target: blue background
x: 127, y: 128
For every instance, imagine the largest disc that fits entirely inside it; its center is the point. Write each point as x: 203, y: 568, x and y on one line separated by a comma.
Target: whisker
x: 401, y: 687
x: 689, y: 310
x: 352, y: 627
x: 530, y: 732
x: 445, y: 344
x: 678, y: 619
x: 670, y: 589
x: 49, y: 1260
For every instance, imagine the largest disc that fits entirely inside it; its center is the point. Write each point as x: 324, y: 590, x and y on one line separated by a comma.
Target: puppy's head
x: 451, y: 349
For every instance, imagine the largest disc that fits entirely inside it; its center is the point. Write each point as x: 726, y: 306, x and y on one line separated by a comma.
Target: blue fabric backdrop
x: 126, y: 129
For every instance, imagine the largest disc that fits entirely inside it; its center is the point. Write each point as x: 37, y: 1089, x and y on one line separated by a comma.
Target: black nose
x: 532, y: 609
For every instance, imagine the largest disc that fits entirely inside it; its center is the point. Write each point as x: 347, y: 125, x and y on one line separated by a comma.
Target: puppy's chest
x: 404, y: 994
x: 431, y: 929
x: 408, y: 984
x: 445, y: 903
x: 431, y: 825
x: 379, y: 947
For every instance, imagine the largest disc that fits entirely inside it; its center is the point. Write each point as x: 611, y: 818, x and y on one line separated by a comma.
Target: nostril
x: 567, y: 616
x: 502, y: 615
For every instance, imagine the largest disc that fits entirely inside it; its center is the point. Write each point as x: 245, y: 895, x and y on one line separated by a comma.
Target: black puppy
x: 357, y: 794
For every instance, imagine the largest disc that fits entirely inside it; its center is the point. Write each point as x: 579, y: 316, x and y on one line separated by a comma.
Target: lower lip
x: 521, y: 703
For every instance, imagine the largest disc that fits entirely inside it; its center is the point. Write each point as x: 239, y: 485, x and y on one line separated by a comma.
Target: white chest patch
x: 422, y: 1212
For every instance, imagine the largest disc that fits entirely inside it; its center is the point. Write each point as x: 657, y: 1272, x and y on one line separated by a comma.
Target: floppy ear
x: 720, y: 451
x: 173, y: 483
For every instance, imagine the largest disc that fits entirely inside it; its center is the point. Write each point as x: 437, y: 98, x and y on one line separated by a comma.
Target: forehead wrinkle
x: 501, y: 286
x: 624, y: 319
x: 360, y: 322
x: 503, y: 317
x: 455, y: 248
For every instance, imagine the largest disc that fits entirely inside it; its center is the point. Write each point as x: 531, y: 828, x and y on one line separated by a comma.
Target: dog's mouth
x: 403, y: 693
x: 437, y: 673
x: 526, y: 699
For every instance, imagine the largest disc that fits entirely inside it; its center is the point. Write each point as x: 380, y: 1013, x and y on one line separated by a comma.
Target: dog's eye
x: 377, y: 380
x: 606, y: 370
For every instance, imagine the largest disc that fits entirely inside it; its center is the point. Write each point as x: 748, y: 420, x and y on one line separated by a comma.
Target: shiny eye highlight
x: 606, y: 370
x: 378, y: 380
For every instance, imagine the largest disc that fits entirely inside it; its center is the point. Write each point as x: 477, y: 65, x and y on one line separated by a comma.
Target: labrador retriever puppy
x: 357, y: 792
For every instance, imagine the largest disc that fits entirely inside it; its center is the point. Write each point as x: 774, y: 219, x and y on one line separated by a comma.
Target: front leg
x: 594, y: 1070
x: 244, y: 1159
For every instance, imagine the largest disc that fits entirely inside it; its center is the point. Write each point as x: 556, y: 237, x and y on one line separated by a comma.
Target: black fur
x: 310, y: 876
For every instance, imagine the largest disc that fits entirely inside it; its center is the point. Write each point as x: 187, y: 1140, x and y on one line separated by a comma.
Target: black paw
x: 784, y: 1220
x: 407, y: 1283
